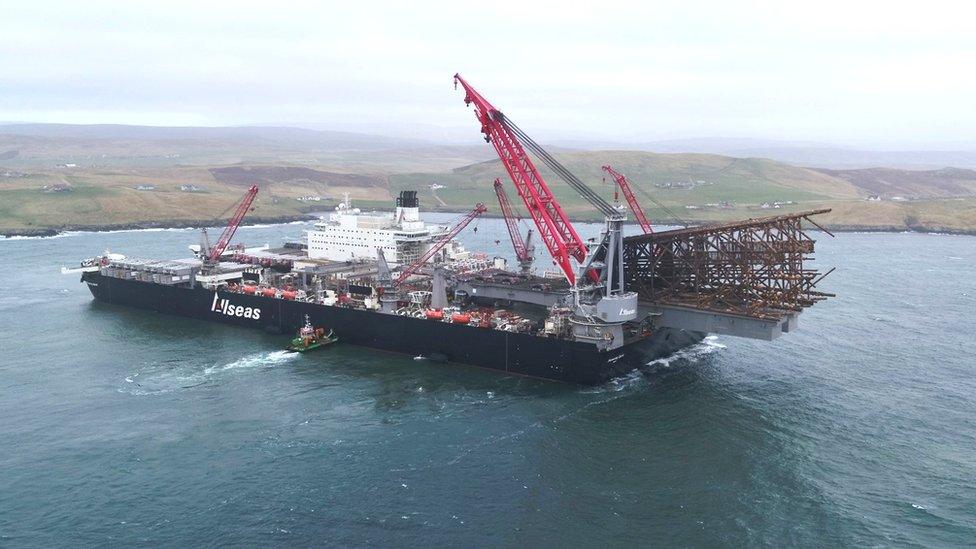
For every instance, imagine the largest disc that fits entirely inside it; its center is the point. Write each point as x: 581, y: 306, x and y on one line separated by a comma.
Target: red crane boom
x: 521, y: 251
x: 439, y: 244
x: 631, y: 199
x: 218, y: 249
x: 552, y: 223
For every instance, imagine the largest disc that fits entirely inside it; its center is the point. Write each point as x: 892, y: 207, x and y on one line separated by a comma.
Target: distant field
x: 722, y: 179
x: 106, y: 197
x: 102, y: 167
x: 743, y: 183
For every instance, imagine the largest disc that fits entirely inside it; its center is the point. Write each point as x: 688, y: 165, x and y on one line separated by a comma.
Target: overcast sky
x: 844, y: 72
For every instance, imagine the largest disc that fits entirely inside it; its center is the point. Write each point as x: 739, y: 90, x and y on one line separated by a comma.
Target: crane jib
x: 437, y: 245
x: 552, y: 223
x: 521, y: 250
x: 635, y: 206
x: 582, y: 188
x: 235, y: 221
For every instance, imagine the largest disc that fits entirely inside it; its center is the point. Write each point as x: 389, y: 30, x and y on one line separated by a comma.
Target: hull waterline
x: 509, y: 352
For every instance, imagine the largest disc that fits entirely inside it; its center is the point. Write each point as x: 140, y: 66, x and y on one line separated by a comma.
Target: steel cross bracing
x: 635, y: 206
x: 441, y: 242
x: 754, y: 268
x: 218, y: 249
x: 558, y: 234
x: 521, y: 252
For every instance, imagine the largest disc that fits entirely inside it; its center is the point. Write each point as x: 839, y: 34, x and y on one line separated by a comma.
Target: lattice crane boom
x: 521, y: 250
x: 631, y: 199
x: 440, y: 243
x: 555, y: 229
x: 235, y: 221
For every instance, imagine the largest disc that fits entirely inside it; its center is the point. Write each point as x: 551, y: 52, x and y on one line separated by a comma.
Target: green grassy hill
x: 693, y: 187
x: 111, y: 197
x: 697, y: 179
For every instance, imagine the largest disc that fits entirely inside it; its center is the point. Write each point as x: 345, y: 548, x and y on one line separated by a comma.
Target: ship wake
x: 162, y: 378
x: 694, y: 353
x: 256, y: 360
x: 638, y: 379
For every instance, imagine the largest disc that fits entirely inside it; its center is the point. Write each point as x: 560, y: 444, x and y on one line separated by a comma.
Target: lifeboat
x: 250, y: 290
x: 268, y: 292
x: 288, y: 295
x: 434, y: 314
x: 460, y: 318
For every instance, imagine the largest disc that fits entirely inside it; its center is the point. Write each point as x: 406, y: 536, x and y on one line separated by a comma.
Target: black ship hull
x: 514, y: 353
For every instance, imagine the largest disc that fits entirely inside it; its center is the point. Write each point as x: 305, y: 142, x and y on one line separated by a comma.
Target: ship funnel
x: 408, y: 207
x: 408, y: 199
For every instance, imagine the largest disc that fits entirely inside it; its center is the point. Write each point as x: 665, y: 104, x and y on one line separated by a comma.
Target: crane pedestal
x: 388, y: 301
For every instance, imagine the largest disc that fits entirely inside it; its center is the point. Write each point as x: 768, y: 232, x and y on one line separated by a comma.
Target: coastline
x: 143, y: 225
x: 832, y: 227
x: 845, y: 228
x: 40, y: 232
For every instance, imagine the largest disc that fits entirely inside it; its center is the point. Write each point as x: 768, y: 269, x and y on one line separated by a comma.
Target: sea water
x: 125, y: 427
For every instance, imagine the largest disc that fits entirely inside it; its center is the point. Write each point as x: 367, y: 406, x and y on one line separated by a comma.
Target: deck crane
x: 631, y: 199
x: 524, y: 251
x: 212, y: 254
x: 551, y: 221
x: 601, y: 303
x: 441, y: 242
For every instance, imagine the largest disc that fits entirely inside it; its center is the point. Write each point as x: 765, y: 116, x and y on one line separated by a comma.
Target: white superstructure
x: 348, y: 234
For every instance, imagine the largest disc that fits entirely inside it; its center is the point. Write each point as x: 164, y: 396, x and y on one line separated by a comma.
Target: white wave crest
x: 636, y: 379
x: 68, y: 234
x: 156, y: 379
x: 39, y: 237
x: 257, y: 360
x: 700, y: 350
x: 631, y: 380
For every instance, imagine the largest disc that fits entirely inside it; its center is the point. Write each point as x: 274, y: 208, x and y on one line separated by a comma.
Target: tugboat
x: 309, y: 338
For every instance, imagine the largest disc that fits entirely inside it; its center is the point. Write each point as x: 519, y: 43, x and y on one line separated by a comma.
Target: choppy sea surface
x: 124, y: 427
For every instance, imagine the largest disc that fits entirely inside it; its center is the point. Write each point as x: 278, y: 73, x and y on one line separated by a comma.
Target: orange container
x: 434, y: 314
x: 461, y: 318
